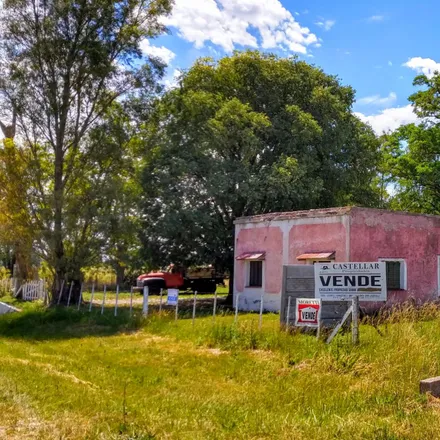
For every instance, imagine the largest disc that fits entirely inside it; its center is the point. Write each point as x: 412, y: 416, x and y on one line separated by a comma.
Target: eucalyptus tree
x: 63, y: 64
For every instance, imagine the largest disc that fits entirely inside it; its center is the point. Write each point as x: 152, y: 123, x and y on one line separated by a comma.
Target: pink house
x: 409, y: 243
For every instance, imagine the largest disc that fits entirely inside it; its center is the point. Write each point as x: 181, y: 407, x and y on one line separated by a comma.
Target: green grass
x: 74, y: 375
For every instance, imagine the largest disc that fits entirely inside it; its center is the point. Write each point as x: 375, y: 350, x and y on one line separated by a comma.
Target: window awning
x: 317, y: 256
x: 252, y: 256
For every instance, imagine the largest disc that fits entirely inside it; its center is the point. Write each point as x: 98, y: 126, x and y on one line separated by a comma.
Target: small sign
x: 173, y: 297
x: 308, y: 312
x: 343, y: 281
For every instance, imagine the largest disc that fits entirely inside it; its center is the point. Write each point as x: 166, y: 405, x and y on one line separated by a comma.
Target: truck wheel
x: 154, y: 286
x: 212, y: 286
x: 204, y: 286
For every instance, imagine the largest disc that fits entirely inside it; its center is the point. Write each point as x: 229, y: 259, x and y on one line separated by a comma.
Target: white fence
x: 32, y: 290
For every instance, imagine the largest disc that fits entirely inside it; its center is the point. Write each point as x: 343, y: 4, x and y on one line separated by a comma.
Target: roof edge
x: 324, y: 212
x: 291, y: 215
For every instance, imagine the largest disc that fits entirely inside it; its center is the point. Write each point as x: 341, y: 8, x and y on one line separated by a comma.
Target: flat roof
x: 324, y: 212
x: 272, y: 216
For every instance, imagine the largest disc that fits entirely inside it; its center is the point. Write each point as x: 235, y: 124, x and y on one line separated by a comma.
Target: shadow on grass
x: 62, y: 323
x: 56, y: 323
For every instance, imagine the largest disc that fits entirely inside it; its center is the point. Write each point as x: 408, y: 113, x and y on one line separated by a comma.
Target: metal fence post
x: 116, y: 301
x: 214, y: 310
x: 70, y: 293
x: 61, y: 293
x: 177, y: 309
x: 80, y: 296
x: 103, y: 299
x: 236, y: 308
x: 145, y: 304
x: 194, y: 307
x: 131, y: 300
x: 260, y: 323
x: 91, y: 298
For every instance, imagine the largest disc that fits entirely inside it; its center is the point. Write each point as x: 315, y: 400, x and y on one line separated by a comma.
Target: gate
x: 32, y: 290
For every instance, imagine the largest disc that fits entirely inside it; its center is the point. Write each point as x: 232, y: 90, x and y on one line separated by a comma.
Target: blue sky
x: 377, y: 46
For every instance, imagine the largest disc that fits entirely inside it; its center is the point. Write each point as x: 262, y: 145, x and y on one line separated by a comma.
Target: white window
x: 254, y: 273
x: 396, y: 273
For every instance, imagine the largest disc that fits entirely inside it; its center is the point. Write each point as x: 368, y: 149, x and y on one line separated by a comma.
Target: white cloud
x: 226, y: 23
x: 378, y: 100
x: 172, y: 80
x: 390, y: 63
x: 161, y: 52
x: 390, y: 118
x: 376, y: 18
x: 326, y: 24
x: 423, y: 65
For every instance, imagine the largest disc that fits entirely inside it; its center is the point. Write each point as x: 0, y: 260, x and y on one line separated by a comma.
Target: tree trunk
x: 59, y: 260
x: 22, y: 262
x: 120, y: 274
x: 70, y: 294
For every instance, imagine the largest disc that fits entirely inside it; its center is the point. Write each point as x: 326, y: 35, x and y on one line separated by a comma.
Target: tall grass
x: 79, y: 375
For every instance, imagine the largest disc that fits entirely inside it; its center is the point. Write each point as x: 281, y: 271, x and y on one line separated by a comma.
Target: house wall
x: 283, y: 241
x: 376, y: 234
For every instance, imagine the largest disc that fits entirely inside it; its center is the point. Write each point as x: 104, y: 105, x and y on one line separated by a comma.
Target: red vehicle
x: 201, y: 279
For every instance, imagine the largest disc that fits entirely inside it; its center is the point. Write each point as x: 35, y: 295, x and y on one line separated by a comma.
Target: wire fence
x: 170, y: 300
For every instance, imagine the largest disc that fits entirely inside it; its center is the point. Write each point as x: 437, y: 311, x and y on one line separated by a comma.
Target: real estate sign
x: 173, y: 297
x: 308, y: 312
x: 343, y: 281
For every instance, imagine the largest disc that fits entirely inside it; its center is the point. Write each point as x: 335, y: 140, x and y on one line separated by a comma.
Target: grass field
x: 66, y: 374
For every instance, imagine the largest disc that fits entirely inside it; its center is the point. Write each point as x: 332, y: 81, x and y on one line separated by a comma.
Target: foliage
x: 16, y: 229
x: 63, y: 65
x: 251, y: 133
x: 411, y: 154
x: 119, y: 219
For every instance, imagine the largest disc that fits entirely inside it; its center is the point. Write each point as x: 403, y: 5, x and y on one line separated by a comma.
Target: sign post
x: 355, y: 320
x: 308, y: 313
x: 288, y: 313
x: 173, y: 300
x: 353, y: 282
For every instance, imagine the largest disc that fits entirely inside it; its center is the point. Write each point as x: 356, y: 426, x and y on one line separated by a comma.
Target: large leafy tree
x: 62, y: 65
x: 412, y: 153
x: 251, y: 133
